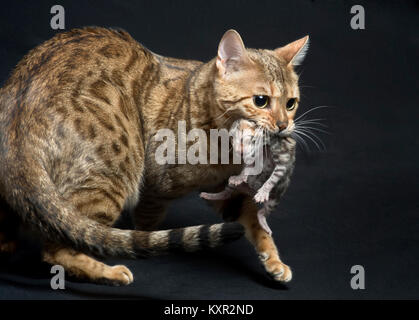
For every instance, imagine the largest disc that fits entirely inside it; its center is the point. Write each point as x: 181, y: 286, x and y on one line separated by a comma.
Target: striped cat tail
x: 39, y: 204
x: 187, y: 239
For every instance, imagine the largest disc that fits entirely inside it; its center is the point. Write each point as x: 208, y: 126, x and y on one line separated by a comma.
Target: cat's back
x: 70, y: 107
x: 71, y: 61
x: 76, y: 71
x: 69, y: 56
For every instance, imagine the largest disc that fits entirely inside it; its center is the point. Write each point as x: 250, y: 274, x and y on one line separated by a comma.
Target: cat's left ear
x: 294, y: 52
x: 232, y: 53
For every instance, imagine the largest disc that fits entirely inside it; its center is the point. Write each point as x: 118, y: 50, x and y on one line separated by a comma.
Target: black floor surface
x: 354, y: 203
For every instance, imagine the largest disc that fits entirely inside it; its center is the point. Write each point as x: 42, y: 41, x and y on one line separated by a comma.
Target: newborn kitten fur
x: 267, y: 187
x: 77, y: 120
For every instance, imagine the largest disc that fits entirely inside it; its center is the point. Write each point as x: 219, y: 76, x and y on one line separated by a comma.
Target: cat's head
x: 259, y: 85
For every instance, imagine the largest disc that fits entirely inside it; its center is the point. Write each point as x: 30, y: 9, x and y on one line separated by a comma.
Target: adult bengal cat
x: 77, y: 120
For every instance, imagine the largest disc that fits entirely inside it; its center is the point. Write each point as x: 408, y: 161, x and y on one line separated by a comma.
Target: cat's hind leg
x: 83, y: 266
x: 101, y: 205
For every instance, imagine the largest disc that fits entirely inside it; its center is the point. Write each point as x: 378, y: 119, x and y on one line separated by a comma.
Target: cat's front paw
x: 261, y: 196
x: 276, y: 269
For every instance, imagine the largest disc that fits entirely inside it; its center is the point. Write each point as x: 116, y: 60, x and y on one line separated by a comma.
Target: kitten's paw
x: 261, y: 196
x: 215, y: 196
x: 119, y: 275
x: 236, y: 180
x: 205, y: 195
x: 263, y: 223
x: 275, y: 268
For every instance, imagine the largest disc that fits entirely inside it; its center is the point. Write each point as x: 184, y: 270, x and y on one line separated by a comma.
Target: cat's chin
x: 284, y: 134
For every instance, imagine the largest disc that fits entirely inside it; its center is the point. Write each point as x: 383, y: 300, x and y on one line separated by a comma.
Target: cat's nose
x: 282, y: 125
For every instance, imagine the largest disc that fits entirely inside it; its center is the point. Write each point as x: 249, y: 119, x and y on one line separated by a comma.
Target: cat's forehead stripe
x: 271, y: 68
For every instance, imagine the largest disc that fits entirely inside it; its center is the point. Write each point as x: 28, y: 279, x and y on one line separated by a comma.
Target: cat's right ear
x: 231, y: 53
x: 294, y: 52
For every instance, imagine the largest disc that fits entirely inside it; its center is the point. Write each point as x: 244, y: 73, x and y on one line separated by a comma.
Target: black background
x: 355, y: 203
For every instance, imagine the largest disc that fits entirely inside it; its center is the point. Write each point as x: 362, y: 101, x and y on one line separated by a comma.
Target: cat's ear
x: 294, y: 52
x: 231, y: 53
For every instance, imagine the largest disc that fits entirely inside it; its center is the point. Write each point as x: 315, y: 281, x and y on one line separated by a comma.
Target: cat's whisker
x: 300, y: 73
x: 264, y: 145
x: 312, y: 137
x: 311, y: 123
x: 316, y: 119
x: 304, y: 146
x: 307, y: 134
x: 221, y: 115
x: 311, y: 110
x: 261, y: 139
x: 302, y: 135
x: 225, y: 120
x: 313, y: 128
x: 268, y: 142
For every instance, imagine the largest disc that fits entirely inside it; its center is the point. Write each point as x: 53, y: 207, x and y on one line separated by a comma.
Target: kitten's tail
x: 41, y: 206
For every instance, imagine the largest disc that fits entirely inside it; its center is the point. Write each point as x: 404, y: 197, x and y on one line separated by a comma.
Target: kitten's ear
x: 294, y: 52
x: 231, y: 52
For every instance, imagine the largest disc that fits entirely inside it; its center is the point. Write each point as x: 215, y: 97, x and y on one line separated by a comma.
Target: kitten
x: 78, y: 117
x: 270, y: 184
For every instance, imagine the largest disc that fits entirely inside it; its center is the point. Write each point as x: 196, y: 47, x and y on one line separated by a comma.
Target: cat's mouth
x: 288, y: 139
x: 287, y: 132
x: 284, y: 133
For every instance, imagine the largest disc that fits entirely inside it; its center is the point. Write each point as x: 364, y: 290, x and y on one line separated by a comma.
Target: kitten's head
x: 259, y: 85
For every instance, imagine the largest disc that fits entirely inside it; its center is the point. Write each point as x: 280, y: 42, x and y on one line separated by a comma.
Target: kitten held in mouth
x: 267, y: 187
x: 76, y: 119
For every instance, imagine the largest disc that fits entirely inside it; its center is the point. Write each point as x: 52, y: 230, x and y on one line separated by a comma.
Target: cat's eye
x: 261, y: 101
x: 291, y: 104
